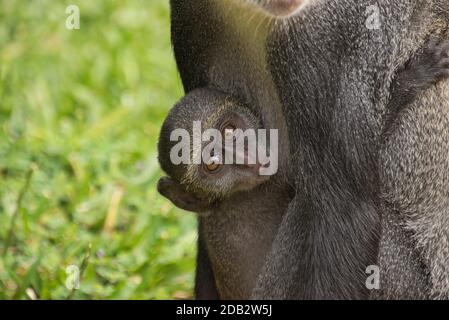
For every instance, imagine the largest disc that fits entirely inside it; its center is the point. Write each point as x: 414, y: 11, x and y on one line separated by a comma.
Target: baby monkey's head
x: 206, y: 147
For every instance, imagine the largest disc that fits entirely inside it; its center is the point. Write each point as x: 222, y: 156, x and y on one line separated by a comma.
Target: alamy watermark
x: 72, y: 281
x: 373, y: 20
x: 373, y: 280
x: 238, y: 146
x: 72, y: 21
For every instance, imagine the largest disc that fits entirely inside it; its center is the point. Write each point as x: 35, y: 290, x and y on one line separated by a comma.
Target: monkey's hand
x: 180, y: 197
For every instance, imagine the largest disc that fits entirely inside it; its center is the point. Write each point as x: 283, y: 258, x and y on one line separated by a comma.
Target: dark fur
x: 239, y: 234
x: 205, y: 286
x: 331, y: 78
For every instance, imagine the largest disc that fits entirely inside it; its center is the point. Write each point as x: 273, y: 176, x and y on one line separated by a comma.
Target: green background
x: 80, y: 113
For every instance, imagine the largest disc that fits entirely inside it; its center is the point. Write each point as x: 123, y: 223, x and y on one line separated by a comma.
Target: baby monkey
x: 240, y: 209
x: 227, y: 162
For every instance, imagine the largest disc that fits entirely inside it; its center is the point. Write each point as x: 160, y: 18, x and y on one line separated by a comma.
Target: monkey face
x: 222, y: 155
x: 230, y: 163
x: 204, y: 185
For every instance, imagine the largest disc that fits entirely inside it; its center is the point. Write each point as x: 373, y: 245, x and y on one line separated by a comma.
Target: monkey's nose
x: 284, y: 7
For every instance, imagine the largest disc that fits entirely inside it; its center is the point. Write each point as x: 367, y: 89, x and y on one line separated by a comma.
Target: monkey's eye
x: 214, y: 164
x: 212, y: 167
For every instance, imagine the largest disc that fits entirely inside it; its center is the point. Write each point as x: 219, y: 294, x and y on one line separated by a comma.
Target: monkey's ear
x: 180, y: 197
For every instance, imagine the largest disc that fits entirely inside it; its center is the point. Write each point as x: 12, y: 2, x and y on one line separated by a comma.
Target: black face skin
x: 327, y: 81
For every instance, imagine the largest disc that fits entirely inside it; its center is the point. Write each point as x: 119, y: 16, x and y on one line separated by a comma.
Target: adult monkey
x: 332, y: 72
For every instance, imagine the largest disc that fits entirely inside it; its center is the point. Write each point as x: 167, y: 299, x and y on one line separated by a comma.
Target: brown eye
x: 214, y: 164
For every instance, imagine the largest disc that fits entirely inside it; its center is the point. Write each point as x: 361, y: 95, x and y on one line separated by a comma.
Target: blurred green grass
x: 80, y: 112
